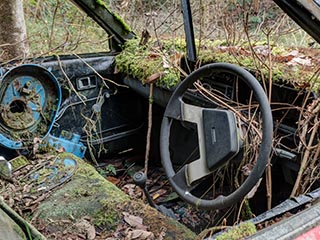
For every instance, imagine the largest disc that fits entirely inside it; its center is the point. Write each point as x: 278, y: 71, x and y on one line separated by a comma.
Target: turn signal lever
x: 140, y: 180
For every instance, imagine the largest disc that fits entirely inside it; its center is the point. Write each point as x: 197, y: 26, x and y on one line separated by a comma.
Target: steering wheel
x: 220, y: 138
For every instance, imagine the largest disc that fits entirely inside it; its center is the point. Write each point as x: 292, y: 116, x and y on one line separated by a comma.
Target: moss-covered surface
x: 143, y: 61
x: 115, y: 15
x: 89, y: 194
x: 239, y: 232
x: 281, y: 71
x: 86, y: 194
x: 157, y: 222
x: 8, y: 228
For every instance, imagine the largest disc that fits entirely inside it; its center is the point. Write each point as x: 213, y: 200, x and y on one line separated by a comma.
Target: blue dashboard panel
x: 30, y: 97
x: 70, y: 145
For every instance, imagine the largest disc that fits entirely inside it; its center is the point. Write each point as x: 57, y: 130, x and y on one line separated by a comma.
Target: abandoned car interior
x: 201, y: 144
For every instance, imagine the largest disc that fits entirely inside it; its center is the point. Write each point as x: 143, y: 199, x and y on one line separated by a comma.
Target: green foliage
x: 109, y: 170
x: 246, y: 212
x: 239, y: 232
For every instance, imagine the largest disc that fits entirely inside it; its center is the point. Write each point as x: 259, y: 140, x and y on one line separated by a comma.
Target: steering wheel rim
x: 174, y: 111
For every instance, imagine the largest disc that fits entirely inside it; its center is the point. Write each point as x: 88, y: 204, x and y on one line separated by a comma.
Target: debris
x: 51, y: 175
x: 139, y: 235
x: 86, y: 227
x: 159, y: 193
x: 132, y: 190
x: 300, y: 61
x: 254, y: 189
x: 153, y: 78
x: 134, y: 221
x: 172, y: 196
x: 114, y: 180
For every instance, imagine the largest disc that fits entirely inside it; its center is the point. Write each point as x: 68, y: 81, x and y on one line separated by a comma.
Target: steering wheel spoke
x: 182, y: 180
x: 191, y: 113
x: 196, y: 170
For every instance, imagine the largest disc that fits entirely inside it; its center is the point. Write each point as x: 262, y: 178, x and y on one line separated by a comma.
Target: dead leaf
x: 91, y: 233
x: 28, y: 202
x: 40, y: 199
x: 175, y: 59
x: 113, y: 180
x: 132, y: 190
x: 81, y: 236
x: 36, y: 144
x: 124, y: 4
x: 140, y: 235
x: 159, y: 193
x: 162, y: 233
x: 26, y: 188
x: 254, y: 189
x: 262, y: 50
x: 153, y: 78
x: 300, y: 61
x: 134, y: 221
x: 246, y: 169
x: 153, y: 55
x: 86, y: 227
x: 11, y: 202
x: 165, y: 62
x: 293, y: 53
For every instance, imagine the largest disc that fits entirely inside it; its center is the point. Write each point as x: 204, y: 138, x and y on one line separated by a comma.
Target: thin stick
x: 304, y: 161
x: 81, y: 97
x: 149, y: 130
x: 268, y: 169
x: 269, y: 185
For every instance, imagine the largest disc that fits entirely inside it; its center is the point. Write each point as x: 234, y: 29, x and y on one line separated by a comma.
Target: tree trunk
x: 13, y: 36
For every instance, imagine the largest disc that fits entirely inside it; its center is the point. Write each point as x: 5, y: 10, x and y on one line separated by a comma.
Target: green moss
x: 246, y: 212
x: 123, y: 23
x: 89, y: 194
x: 115, y: 15
x: 18, y: 162
x: 83, y: 196
x: 106, y: 217
x: 281, y: 72
x: 144, y: 61
x: 239, y: 232
x: 102, y: 3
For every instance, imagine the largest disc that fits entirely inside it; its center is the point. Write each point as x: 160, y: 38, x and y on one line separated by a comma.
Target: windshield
x: 59, y: 27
